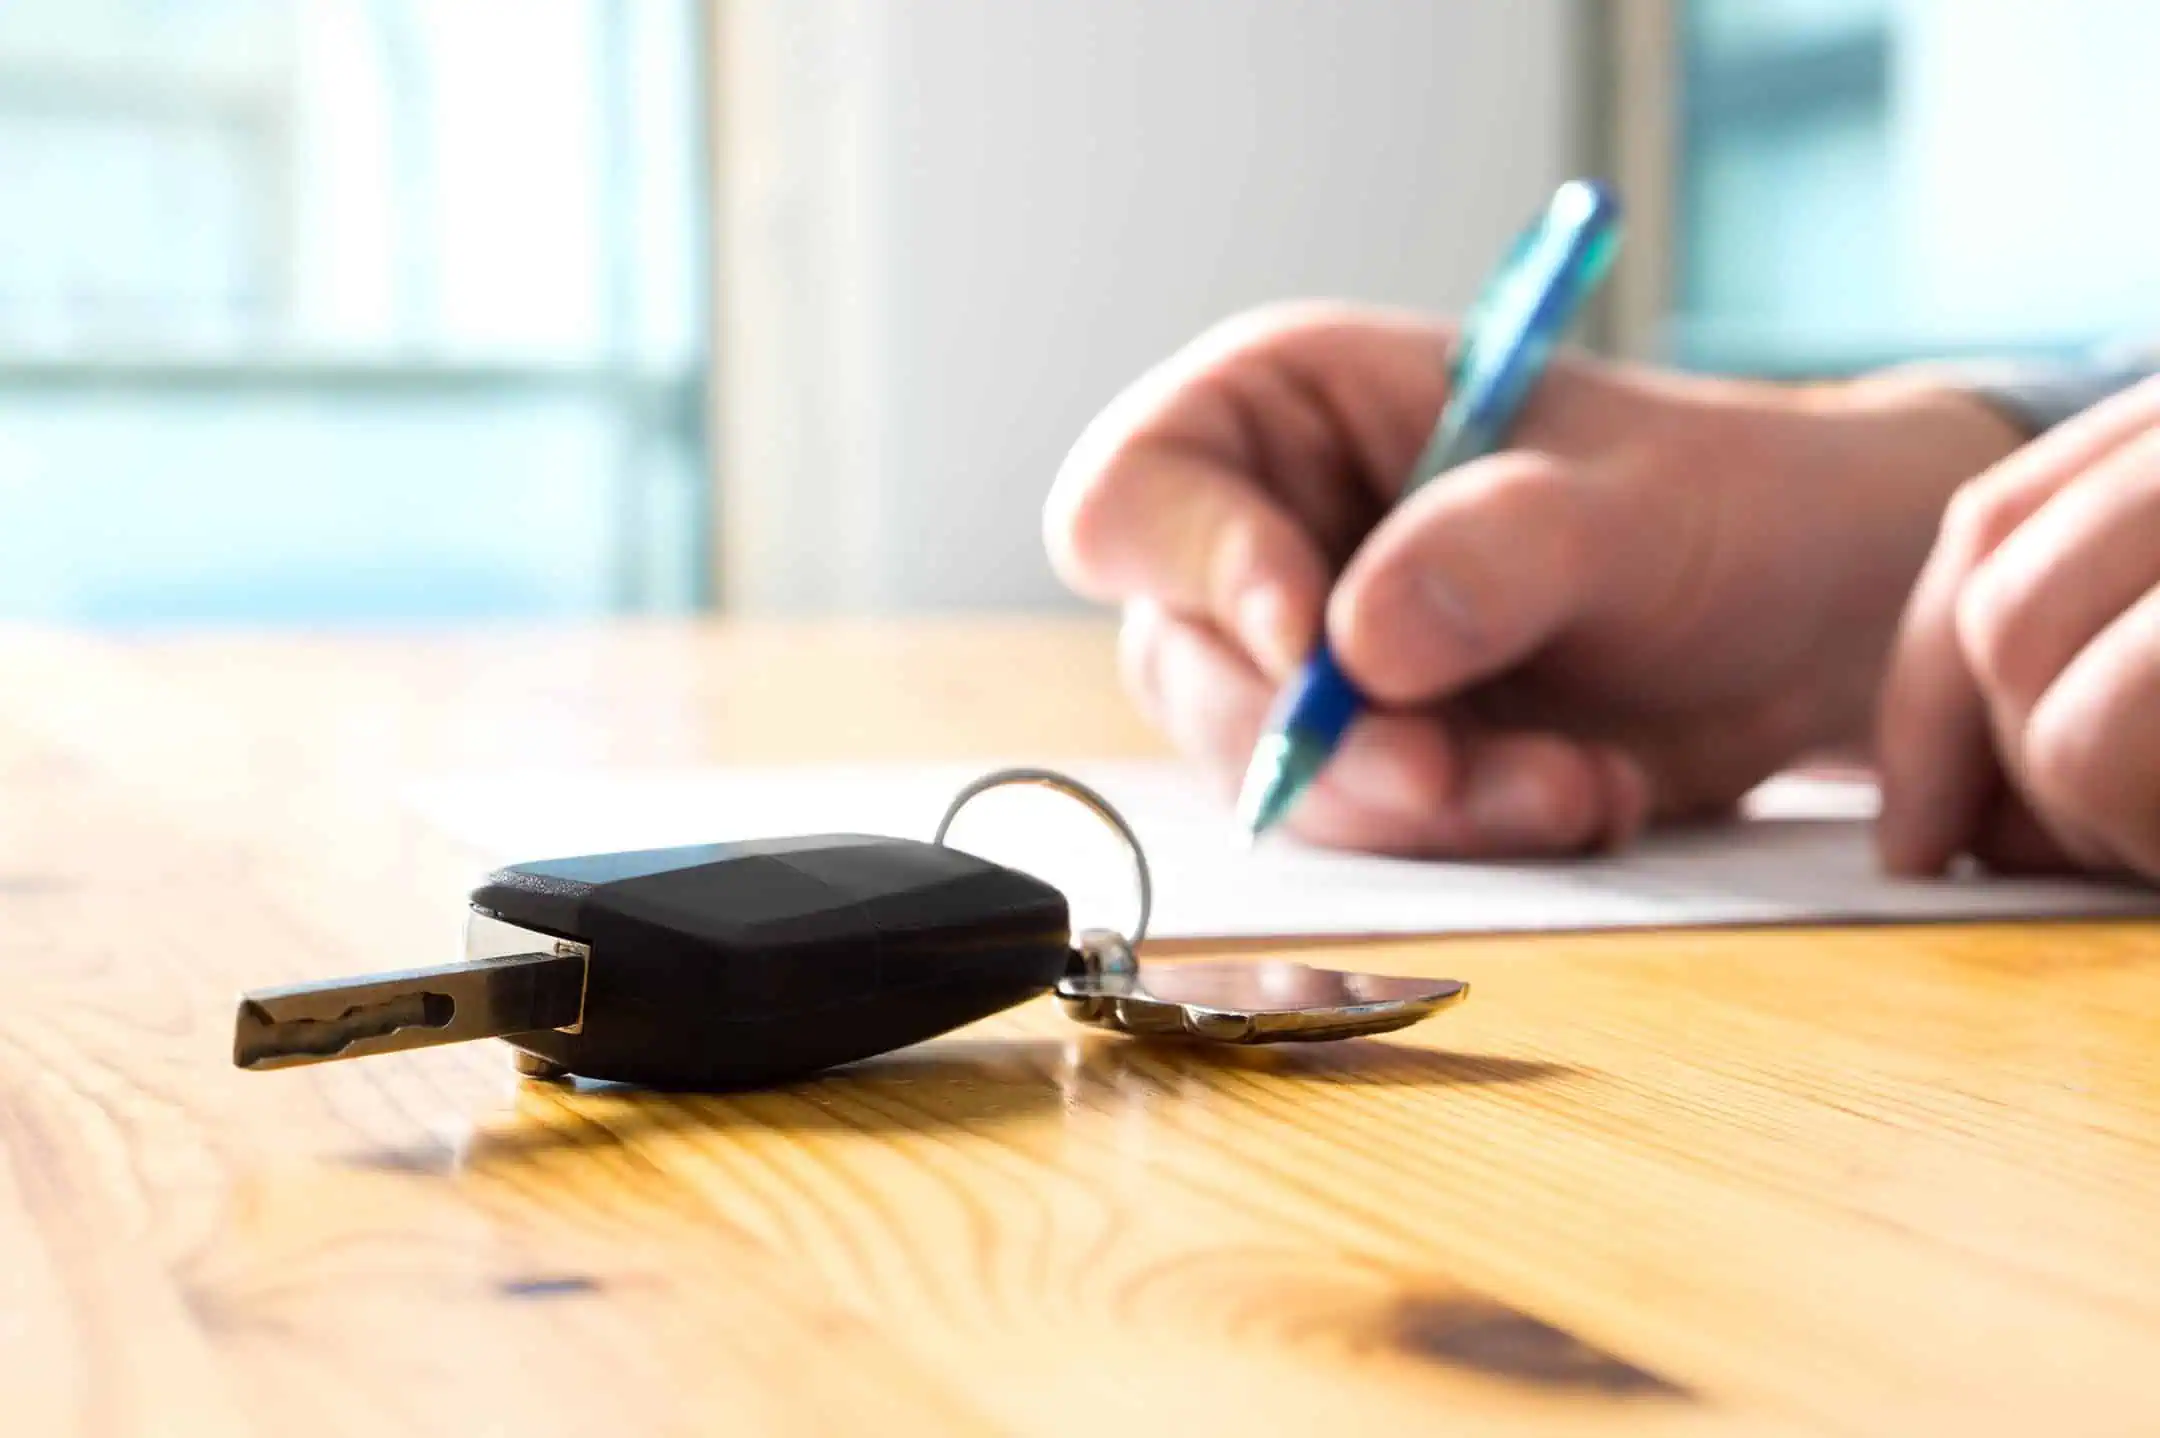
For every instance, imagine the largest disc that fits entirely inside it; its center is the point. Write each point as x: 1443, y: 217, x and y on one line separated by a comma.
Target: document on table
x: 1801, y: 853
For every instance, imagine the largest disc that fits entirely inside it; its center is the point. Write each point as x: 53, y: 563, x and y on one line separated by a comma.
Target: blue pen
x: 1507, y: 339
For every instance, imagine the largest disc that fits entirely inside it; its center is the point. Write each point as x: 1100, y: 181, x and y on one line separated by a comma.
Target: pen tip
x: 1271, y: 786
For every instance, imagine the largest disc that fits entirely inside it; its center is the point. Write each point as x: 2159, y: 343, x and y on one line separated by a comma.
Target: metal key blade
x: 417, y: 1008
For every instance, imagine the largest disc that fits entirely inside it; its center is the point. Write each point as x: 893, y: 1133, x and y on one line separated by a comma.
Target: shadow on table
x: 963, y: 1084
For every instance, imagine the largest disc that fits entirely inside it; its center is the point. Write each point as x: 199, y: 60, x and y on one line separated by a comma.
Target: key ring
x: 1225, y: 1002
x: 1071, y: 788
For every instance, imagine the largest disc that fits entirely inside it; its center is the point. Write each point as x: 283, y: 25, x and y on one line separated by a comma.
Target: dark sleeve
x: 2037, y: 397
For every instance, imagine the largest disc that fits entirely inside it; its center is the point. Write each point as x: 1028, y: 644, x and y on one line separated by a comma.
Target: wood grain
x: 1864, y: 1181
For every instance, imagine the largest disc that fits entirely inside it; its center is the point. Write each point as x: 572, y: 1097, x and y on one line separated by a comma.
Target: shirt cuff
x: 2038, y: 397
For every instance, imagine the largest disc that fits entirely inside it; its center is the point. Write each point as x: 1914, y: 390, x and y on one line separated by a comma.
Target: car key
x: 718, y: 965
x: 750, y: 963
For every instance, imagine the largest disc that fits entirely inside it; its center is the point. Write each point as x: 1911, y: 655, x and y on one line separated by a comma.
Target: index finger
x: 1938, y: 767
x: 1230, y: 482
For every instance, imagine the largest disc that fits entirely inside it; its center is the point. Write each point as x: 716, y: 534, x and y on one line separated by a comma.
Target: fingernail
x: 1425, y: 626
x: 1268, y: 630
x: 1509, y: 807
x: 1444, y: 604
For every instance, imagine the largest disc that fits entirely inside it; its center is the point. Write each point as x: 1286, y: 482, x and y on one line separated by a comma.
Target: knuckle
x: 2069, y: 768
x: 1238, y: 543
x: 1139, y: 655
x: 2089, y: 765
x: 1262, y: 327
x: 1258, y: 325
x: 1995, y: 629
x: 1058, y: 523
x: 1980, y: 516
x: 1083, y: 525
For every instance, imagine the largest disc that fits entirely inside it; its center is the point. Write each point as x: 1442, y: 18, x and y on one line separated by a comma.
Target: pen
x: 1507, y: 338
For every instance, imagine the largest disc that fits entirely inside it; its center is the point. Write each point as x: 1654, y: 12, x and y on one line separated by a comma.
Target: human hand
x: 1669, y: 589
x: 2020, y: 720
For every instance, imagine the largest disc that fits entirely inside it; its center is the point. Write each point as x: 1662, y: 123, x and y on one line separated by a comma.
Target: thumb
x: 1471, y: 575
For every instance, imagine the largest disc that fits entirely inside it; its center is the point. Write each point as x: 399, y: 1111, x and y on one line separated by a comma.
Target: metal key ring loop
x: 1071, y: 788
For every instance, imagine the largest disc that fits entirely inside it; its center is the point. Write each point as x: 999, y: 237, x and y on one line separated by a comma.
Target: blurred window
x: 350, y: 311
x: 1865, y: 181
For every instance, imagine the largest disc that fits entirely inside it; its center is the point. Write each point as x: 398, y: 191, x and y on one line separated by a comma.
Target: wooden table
x: 1889, y: 1181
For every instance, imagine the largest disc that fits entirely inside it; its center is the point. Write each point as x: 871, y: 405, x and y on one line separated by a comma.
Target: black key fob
x: 730, y: 965
x: 715, y: 966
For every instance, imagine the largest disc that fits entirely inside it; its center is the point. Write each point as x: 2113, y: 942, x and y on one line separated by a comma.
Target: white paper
x: 1802, y: 854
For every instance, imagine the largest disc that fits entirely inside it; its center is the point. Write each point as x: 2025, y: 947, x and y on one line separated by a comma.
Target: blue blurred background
x: 1865, y: 181
x: 366, y: 312
x: 317, y: 311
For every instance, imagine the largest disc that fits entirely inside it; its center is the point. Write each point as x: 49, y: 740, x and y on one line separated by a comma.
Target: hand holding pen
x: 1526, y: 308
x: 1658, y: 589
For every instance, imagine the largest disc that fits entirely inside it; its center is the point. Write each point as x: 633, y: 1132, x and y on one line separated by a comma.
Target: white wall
x: 2024, y: 137
x: 951, y: 229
